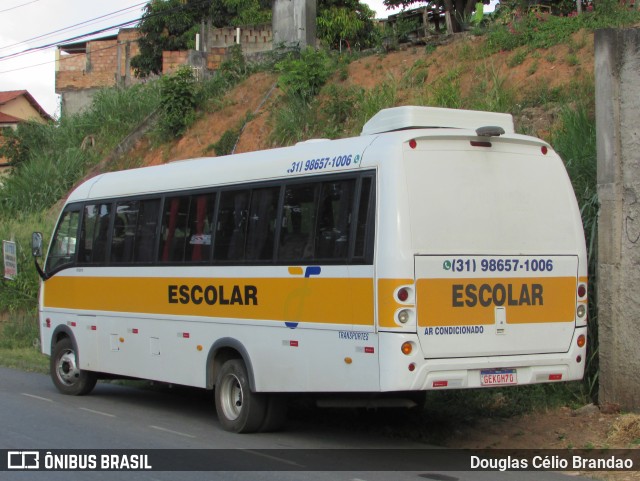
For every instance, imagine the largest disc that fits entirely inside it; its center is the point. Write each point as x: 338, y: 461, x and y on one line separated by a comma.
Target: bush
x: 178, y: 102
x: 303, y: 76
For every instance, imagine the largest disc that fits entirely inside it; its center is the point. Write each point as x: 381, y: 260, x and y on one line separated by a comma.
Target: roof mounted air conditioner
x: 411, y: 117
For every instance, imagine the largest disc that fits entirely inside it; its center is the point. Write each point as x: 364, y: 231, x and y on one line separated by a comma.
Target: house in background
x: 83, y: 68
x: 18, y: 106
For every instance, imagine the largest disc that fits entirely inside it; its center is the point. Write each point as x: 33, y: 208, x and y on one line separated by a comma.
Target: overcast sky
x: 26, y: 24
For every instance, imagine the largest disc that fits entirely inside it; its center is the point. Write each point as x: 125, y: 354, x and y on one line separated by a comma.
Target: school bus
x: 437, y: 250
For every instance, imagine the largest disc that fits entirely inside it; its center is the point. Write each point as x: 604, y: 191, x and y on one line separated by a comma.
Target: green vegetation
x: 535, y: 30
x: 346, y: 24
x: 228, y: 141
x: 303, y: 74
x: 24, y: 358
x: 166, y: 25
x: 173, y: 25
x: 178, y: 102
x: 52, y: 158
x: 575, y: 141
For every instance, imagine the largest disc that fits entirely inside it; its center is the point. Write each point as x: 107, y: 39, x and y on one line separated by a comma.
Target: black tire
x: 239, y: 409
x: 276, y: 413
x: 65, y: 372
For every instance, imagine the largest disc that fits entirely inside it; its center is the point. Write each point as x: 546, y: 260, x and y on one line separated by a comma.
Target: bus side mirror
x: 36, y: 251
x: 36, y: 244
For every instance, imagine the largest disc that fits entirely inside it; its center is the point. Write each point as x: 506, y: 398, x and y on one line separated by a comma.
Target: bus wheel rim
x: 67, y: 368
x: 231, y: 397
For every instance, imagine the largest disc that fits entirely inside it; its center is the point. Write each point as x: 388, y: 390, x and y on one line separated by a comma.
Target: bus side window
x: 94, y: 234
x: 134, y: 231
x: 186, y: 228
x: 174, y: 229
x: 364, y: 231
x: 124, y: 232
x: 334, y: 219
x: 63, y: 246
x: 231, y: 227
x: 297, y: 236
x: 262, y: 223
x: 145, y: 234
x: 200, y: 228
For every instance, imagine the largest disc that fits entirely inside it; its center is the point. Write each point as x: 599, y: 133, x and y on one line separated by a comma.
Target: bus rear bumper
x: 414, y: 373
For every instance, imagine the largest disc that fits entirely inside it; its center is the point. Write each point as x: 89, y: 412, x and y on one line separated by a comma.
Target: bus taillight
x: 582, y: 340
x: 582, y: 290
x: 403, y: 294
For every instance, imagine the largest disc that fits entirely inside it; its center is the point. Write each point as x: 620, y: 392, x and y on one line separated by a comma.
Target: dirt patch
x: 251, y: 97
x: 416, y: 72
x: 562, y: 428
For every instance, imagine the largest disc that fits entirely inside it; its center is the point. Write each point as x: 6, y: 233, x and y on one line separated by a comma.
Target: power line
x: 62, y: 59
x: 78, y: 37
x: 18, y: 6
x: 73, y: 27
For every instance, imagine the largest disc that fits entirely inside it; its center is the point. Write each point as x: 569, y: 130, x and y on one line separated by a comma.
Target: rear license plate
x: 498, y: 377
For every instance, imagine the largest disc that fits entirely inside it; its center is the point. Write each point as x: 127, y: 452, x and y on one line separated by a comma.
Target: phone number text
x: 323, y: 163
x: 498, y: 265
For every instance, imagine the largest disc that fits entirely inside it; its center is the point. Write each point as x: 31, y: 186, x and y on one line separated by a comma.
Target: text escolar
x: 211, y: 295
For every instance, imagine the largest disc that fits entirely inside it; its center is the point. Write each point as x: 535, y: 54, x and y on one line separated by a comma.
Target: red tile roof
x: 10, y: 95
x: 14, y: 94
x: 9, y: 119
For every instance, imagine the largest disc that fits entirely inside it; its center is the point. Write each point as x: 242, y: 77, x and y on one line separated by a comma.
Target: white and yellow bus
x: 438, y: 250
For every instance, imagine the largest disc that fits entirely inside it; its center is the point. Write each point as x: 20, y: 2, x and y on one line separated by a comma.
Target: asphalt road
x: 34, y: 415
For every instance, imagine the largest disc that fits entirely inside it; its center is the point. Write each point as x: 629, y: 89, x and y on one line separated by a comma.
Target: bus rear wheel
x: 66, y: 373
x: 239, y: 409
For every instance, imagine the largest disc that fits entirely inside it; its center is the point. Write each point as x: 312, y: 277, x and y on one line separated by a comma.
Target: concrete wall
x: 294, y: 22
x: 617, y: 63
x: 75, y: 101
x: 254, y: 39
x: 106, y: 63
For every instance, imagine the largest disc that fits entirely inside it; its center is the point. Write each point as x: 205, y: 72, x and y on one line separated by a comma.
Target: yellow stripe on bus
x: 318, y: 300
x: 464, y: 302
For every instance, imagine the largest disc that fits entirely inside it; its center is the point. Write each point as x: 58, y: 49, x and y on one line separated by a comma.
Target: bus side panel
x: 303, y: 332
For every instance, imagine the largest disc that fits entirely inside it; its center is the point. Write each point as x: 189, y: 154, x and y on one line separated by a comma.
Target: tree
x: 347, y: 20
x: 166, y: 25
x: 235, y: 13
x: 457, y: 9
x: 173, y: 24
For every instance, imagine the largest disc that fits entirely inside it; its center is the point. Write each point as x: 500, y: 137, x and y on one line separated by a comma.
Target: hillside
x: 540, y: 83
x: 420, y: 76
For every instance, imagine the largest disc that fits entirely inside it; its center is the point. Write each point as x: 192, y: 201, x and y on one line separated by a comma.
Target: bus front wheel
x: 239, y: 409
x: 66, y: 373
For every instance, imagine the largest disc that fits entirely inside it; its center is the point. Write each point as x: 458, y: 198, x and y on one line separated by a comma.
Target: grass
x: 537, y: 31
x: 27, y: 359
x: 51, y: 158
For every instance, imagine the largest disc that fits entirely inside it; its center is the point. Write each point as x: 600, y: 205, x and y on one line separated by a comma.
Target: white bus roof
x: 412, y: 117
x: 270, y: 164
